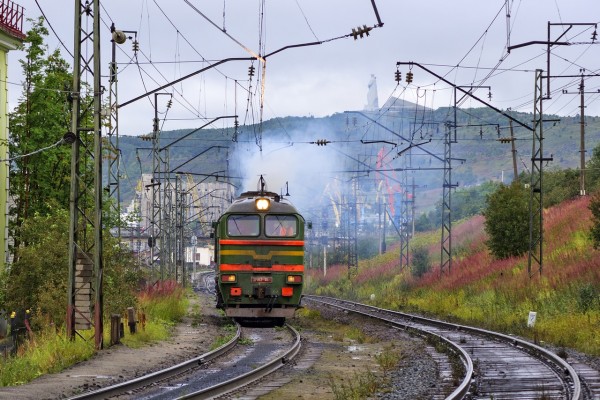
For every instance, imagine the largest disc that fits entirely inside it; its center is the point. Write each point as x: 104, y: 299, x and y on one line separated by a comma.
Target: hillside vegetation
x: 495, y: 294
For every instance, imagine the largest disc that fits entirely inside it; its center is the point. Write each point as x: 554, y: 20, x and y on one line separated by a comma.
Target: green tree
x: 595, y: 229
x: 507, y: 221
x: 592, y: 171
x: 421, y: 262
x: 39, y: 121
x: 39, y: 279
x: 560, y: 185
x: 40, y: 178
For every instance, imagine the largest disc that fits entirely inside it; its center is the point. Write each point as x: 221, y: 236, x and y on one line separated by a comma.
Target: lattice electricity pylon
x: 112, y: 144
x: 446, y: 247
x: 85, y: 224
x: 180, y: 215
x: 157, y: 188
x: 536, y: 215
x: 352, y: 230
x: 113, y: 153
x: 405, y: 218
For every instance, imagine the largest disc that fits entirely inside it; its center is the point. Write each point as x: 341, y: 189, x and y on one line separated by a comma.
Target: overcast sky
x: 176, y: 38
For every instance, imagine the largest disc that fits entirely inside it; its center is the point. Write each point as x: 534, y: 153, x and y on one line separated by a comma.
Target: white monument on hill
x: 372, y: 100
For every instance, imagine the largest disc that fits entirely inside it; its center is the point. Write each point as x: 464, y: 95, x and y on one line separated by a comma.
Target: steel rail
x: 464, y: 386
x: 566, y: 368
x: 249, y: 377
x: 145, y: 380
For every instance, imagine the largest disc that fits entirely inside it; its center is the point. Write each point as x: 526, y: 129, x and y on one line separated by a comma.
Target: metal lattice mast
x: 155, y: 230
x: 167, y: 227
x: 536, y: 214
x: 85, y: 224
x: 404, y: 215
x: 181, y: 196
x: 168, y: 220
x: 113, y: 155
x: 446, y: 248
x: 352, y: 229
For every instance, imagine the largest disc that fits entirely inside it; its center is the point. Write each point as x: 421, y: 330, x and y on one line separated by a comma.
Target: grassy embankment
x: 495, y: 294
x: 50, y: 351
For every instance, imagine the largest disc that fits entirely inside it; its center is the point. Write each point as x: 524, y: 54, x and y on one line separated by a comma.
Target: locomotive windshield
x: 243, y: 225
x: 281, y: 225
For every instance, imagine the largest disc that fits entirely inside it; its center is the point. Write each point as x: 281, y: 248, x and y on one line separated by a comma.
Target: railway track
x: 493, y: 365
x: 225, y: 369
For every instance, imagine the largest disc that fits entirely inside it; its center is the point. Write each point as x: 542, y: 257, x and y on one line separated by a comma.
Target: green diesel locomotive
x: 259, y: 251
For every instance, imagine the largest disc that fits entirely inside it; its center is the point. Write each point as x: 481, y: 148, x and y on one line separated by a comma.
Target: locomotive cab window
x: 243, y: 225
x: 281, y: 225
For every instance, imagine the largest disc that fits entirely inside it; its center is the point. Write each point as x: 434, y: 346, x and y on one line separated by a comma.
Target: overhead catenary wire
x: 58, y: 143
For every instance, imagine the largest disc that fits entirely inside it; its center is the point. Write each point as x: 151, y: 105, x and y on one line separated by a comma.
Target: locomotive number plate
x: 262, y: 279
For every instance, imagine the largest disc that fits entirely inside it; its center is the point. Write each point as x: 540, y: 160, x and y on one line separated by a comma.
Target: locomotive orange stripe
x: 250, y: 268
x: 262, y: 242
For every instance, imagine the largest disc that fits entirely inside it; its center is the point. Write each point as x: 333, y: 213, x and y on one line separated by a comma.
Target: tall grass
x: 162, y: 305
x: 497, y: 294
x: 47, y: 352
x: 50, y: 351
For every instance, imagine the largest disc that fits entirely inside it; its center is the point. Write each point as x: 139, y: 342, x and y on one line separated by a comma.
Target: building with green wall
x: 11, y: 36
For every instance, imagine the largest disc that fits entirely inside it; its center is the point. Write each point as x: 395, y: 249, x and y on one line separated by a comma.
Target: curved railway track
x: 494, y: 365
x: 208, y: 375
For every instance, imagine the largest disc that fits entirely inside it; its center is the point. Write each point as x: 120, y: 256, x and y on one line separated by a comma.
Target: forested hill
x: 477, y: 153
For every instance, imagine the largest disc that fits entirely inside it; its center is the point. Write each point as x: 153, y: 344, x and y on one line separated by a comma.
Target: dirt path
x: 119, y: 363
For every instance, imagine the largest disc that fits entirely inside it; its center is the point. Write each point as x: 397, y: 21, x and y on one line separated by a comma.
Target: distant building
x: 11, y: 36
x: 203, y: 203
x: 372, y: 100
x: 397, y: 105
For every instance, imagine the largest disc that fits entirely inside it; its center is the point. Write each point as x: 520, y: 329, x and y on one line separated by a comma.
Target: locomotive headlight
x: 262, y: 204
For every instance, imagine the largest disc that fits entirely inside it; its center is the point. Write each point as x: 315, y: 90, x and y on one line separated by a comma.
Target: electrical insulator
x: 136, y: 46
x: 594, y: 36
x: 169, y: 103
x: 322, y: 142
x: 365, y: 29
x: 505, y: 140
x: 409, y: 77
x: 490, y: 95
x: 251, y: 70
x: 398, y: 76
x: 361, y: 31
